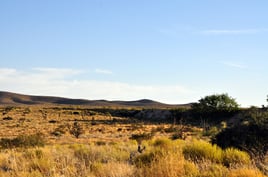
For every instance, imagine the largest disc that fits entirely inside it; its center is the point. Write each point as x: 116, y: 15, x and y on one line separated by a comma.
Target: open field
x: 107, y: 145
x: 54, y: 123
x: 141, y: 88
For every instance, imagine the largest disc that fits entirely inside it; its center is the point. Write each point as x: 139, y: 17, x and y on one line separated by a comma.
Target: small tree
x: 215, y: 105
x: 76, y: 130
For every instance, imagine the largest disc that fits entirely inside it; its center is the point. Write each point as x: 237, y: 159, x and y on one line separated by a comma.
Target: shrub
x: 171, y: 129
x: 178, y: 135
x: 7, y: 118
x: 140, y: 137
x: 119, y: 129
x: 60, y: 130
x: 233, y: 157
x: 56, y: 133
x: 84, y: 155
x: 52, y: 121
x: 252, y: 138
x: 23, y: 141
x: 145, y: 159
x: 76, y: 130
x: 158, y: 129
x: 100, y: 143
x: 163, y: 143
x: 201, y: 151
x: 213, y: 131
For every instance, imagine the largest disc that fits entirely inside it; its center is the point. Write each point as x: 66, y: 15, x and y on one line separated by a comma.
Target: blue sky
x: 169, y: 51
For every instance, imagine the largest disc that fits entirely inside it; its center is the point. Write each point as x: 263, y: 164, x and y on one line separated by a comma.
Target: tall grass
x: 162, y: 158
x: 233, y: 157
x: 200, y: 150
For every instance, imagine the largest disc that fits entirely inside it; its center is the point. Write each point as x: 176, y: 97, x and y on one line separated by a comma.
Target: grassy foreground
x: 161, y: 158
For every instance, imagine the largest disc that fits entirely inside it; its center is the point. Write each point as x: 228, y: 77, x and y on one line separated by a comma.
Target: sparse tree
x: 76, y: 129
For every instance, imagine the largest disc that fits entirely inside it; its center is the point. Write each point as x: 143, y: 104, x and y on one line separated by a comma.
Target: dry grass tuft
x: 245, y: 172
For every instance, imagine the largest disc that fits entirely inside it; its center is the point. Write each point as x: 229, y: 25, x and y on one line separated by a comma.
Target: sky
x: 173, y: 51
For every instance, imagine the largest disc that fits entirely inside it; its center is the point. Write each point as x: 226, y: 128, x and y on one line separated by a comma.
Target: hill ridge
x: 11, y: 98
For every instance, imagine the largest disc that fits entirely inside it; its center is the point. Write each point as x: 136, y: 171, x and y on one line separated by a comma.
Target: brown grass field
x: 105, y: 146
x: 97, y: 126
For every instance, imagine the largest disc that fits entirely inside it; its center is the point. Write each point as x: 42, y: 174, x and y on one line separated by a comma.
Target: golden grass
x: 163, y: 158
x: 104, y: 149
x: 245, y: 172
x: 234, y: 157
x: 201, y: 150
x: 55, y: 122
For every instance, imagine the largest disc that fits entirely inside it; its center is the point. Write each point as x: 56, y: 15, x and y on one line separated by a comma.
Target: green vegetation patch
x: 23, y: 141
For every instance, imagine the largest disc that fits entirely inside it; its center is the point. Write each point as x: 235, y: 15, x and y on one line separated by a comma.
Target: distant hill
x: 15, y: 99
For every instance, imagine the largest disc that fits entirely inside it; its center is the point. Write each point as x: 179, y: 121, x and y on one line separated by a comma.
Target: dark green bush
x: 212, y: 131
x: 178, y: 135
x: 60, y: 130
x: 52, y: 121
x: 251, y: 138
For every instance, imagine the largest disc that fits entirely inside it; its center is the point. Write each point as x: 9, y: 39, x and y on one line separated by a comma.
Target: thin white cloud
x: 176, y: 31
x: 7, y: 71
x: 103, y: 71
x: 42, y: 82
x: 46, y: 73
x: 57, y: 72
x: 234, y: 64
x: 232, y: 32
